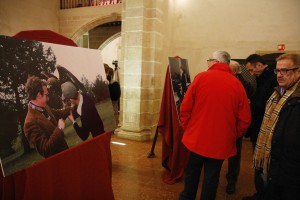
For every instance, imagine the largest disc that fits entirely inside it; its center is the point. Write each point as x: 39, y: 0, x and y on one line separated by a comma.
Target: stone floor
x: 136, y: 177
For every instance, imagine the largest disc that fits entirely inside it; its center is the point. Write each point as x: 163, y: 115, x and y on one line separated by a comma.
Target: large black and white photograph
x: 52, y: 97
x: 180, y: 78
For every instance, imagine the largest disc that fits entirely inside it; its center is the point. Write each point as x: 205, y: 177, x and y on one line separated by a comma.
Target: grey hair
x: 222, y: 56
x: 235, y: 67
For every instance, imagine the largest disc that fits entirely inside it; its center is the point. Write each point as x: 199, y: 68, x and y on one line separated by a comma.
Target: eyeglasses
x: 284, y: 70
x: 211, y: 60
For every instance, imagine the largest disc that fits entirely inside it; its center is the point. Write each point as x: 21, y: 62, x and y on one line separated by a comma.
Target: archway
x: 111, y: 49
x: 94, y: 23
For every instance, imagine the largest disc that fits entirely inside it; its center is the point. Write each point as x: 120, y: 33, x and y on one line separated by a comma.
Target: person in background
x: 214, y: 114
x: 237, y: 71
x: 41, y: 127
x: 54, y: 90
x: 91, y: 121
x: 235, y: 161
x: 114, y: 90
x: 183, y: 80
x: 277, y: 150
x: 265, y: 83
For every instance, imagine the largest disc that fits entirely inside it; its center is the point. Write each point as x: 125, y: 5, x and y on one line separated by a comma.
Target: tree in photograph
x: 9, y: 129
x: 20, y: 59
x: 99, y: 89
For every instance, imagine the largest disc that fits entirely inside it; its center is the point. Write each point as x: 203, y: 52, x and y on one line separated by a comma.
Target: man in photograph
x: 84, y: 105
x: 41, y: 127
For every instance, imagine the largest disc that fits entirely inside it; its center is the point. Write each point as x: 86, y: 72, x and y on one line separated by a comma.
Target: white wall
x: 240, y: 27
x: 19, y: 15
x: 111, y: 52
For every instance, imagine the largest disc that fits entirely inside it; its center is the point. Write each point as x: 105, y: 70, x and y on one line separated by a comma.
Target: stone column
x: 141, y: 68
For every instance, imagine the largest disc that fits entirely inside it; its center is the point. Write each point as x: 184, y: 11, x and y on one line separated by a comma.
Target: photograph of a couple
x: 52, y: 97
x: 180, y: 78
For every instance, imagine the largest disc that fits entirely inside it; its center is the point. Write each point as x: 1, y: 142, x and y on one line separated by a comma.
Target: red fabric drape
x: 174, y: 153
x: 45, y: 36
x: 81, y: 172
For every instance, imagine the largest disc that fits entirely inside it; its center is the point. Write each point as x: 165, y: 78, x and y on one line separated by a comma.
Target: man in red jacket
x: 214, y: 113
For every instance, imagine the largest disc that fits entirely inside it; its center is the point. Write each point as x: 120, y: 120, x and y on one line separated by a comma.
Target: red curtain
x: 81, y: 172
x: 174, y: 153
x: 45, y: 36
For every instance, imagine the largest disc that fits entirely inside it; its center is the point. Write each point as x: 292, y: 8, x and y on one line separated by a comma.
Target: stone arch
x: 111, y: 38
x: 94, y: 23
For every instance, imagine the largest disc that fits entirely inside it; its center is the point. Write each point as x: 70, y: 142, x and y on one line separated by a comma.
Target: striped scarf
x: 262, y: 150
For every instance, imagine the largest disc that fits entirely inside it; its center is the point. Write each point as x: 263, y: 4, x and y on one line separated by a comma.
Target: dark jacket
x: 90, y: 119
x: 247, y: 86
x: 285, y: 152
x: 44, y: 134
x: 265, y: 84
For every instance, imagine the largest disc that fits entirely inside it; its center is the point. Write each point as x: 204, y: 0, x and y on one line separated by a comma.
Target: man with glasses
x: 41, y: 127
x: 214, y: 113
x: 277, y: 150
x: 265, y: 83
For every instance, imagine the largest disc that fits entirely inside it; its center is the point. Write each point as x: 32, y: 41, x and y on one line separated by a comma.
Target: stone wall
x: 16, y: 16
x: 99, y: 35
x: 141, y: 60
x: 73, y: 23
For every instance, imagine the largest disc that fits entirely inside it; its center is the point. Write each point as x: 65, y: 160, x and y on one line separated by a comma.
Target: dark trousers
x: 234, y: 164
x: 212, y: 168
x: 259, y: 182
x: 280, y: 192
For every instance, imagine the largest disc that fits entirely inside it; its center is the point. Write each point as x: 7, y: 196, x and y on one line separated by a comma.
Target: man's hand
x: 71, y: 117
x: 61, y: 124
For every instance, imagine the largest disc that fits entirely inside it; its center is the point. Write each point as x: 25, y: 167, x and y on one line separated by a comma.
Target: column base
x: 137, y: 136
